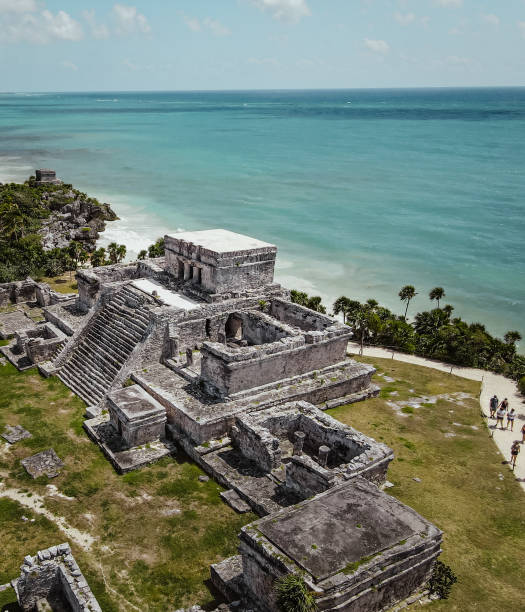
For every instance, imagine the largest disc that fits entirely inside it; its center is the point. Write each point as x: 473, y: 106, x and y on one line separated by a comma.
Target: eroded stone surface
x: 46, y: 463
x: 15, y: 433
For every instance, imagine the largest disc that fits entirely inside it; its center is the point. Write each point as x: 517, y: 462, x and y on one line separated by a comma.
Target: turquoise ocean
x: 363, y: 191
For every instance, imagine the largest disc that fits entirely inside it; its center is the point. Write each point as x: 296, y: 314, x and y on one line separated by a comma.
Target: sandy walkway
x: 36, y: 504
x: 490, y: 384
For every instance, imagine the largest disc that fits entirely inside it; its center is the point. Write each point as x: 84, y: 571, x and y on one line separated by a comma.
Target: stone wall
x: 300, y: 316
x: 53, y: 575
x: 232, y: 371
x: 18, y: 291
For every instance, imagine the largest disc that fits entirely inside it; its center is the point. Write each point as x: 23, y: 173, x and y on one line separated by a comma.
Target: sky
x: 98, y: 45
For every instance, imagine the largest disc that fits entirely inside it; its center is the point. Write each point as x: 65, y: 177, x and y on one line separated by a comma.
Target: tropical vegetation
x: 435, y: 333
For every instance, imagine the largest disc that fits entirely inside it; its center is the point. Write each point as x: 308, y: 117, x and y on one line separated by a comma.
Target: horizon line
x: 278, y: 89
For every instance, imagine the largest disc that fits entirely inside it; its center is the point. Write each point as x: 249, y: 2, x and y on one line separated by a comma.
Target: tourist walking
x: 493, y: 405
x: 500, y: 415
x: 510, y: 419
x: 514, y: 452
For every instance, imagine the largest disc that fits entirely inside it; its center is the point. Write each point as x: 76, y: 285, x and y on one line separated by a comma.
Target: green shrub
x: 441, y: 581
x: 293, y: 594
x: 521, y: 385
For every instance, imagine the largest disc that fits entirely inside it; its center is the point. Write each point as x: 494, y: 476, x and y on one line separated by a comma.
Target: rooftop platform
x: 340, y: 527
x: 222, y: 241
x: 170, y: 298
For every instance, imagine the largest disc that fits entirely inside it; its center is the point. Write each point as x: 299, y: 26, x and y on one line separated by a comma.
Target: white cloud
x: 193, y: 23
x: 405, y: 18
x: 212, y: 25
x: 98, y: 30
x: 521, y: 26
x: 61, y: 25
x: 216, y: 27
x: 490, y: 19
x: 129, y: 20
x: 39, y: 28
x: 452, y: 3
x: 69, y: 65
x: 377, y: 46
x: 18, y: 6
x: 284, y: 10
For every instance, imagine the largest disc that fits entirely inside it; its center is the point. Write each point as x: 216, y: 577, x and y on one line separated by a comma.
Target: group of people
x: 498, y: 411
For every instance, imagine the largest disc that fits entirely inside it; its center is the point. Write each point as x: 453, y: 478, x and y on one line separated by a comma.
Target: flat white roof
x: 221, y: 240
x: 171, y: 298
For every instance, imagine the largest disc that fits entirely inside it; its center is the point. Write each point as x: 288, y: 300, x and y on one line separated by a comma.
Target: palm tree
x: 511, y: 337
x: 12, y: 221
x: 438, y: 293
x: 344, y: 306
x: 142, y: 254
x: 99, y: 257
x: 116, y: 252
x: 406, y: 294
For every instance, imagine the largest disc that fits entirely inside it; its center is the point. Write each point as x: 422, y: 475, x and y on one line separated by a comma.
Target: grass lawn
x: 483, y: 517
x: 157, y: 530
x: 65, y: 283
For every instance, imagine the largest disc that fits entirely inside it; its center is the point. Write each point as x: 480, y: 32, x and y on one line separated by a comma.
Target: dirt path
x: 490, y: 384
x: 36, y: 504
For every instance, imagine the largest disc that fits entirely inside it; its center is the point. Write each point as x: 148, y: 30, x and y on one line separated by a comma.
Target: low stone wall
x: 18, y: 291
x: 53, y: 575
x: 229, y: 371
x: 300, y: 316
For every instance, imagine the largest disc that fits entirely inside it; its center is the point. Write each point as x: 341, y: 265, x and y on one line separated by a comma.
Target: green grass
x: 157, y: 529
x: 483, y: 518
x: 65, y: 283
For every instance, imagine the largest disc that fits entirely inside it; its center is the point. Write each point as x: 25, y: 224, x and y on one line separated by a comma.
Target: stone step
x: 100, y: 360
x: 105, y: 338
x: 73, y: 384
x: 95, y: 378
x: 132, y: 325
x: 89, y: 379
x: 106, y: 335
x: 233, y: 500
x: 134, y: 314
x: 120, y: 326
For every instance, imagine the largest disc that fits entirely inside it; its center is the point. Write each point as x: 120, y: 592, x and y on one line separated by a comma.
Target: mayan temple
x: 201, y: 350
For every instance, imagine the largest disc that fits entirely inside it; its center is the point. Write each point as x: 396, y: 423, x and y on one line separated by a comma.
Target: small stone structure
x: 137, y: 417
x: 45, y: 176
x: 220, y: 261
x: 46, y: 463
x: 15, y: 433
x: 357, y: 547
x: 34, y: 345
x: 52, y: 580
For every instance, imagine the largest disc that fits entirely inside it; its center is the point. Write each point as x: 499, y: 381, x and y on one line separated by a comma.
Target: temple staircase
x: 104, y: 348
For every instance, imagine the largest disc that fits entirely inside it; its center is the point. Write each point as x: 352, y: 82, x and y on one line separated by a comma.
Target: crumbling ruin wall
x: 305, y: 477
x: 300, y: 316
x: 53, y: 574
x: 231, y: 372
x: 257, y: 445
x: 18, y: 291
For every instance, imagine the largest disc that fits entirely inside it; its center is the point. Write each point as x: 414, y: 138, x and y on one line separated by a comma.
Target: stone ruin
x: 45, y: 176
x: 201, y: 350
x: 52, y: 580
